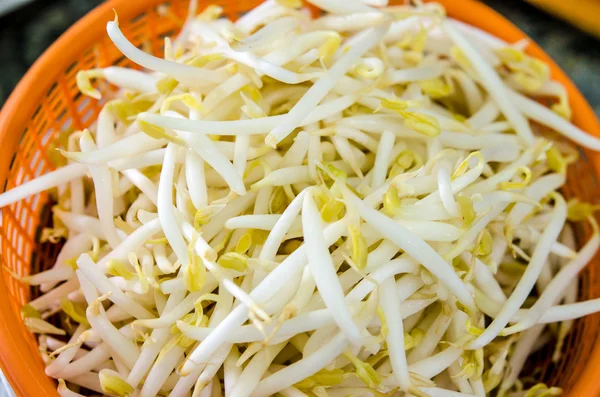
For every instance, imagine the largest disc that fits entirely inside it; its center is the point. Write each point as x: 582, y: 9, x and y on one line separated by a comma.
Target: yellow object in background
x: 581, y: 13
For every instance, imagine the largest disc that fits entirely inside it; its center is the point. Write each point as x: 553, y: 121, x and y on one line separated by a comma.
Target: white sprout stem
x: 120, y: 346
x: 314, y: 156
x: 166, y: 210
x: 180, y: 309
x: 434, y: 365
x: 103, y: 188
x: 231, y: 372
x: 64, y: 391
x: 153, y: 157
x: 557, y: 286
x: 426, y: 230
x: 432, y: 337
x: 281, y: 227
x: 471, y: 235
x: 527, y: 281
x: 407, y: 284
x: 484, y: 279
x: 160, y: 371
x: 126, y: 147
x: 347, y: 153
x: 88, y: 362
x: 131, y: 79
x: 409, y: 75
x: 473, y: 95
x: 342, y: 7
x: 186, y: 381
x: 395, y: 337
x: 54, y: 276
x: 208, y: 375
x: 77, y: 188
x: 240, y: 154
x: 262, y: 37
x: 296, y: 153
x: 359, y: 137
x: 292, y: 265
x: 321, y: 267
x: 445, y: 189
x: 439, y: 392
x: 518, y: 358
x: 91, y: 272
x: 309, y: 365
x: 284, y: 176
x: 459, y: 140
x: 492, y: 83
x: 570, y: 311
x: 51, y: 297
x: 228, y: 149
x: 415, y: 247
x: 321, y: 87
x: 143, y: 183
x: 260, y: 222
x: 490, y: 184
x: 382, y: 160
x: 75, y: 245
x: 256, y: 16
x: 205, y: 148
x: 45, y: 182
x: 187, y: 74
x: 201, y: 246
x: 261, y: 125
x: 196, y: 180
x: 254, y: 370
x: 303, y: 322
x: 88, y: 380
x: 545, y: 116
x: 462, y: 183
x: 382, y: 254
x: 135, y: 240
x: 81, y: 223
x: 148, y: 355
x: 298, y: 46
x: 234, y: 208
x: 484, y: 116
x: 65, y: 357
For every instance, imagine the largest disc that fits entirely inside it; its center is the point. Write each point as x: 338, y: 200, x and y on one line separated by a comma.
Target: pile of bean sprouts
x: 361, y: 204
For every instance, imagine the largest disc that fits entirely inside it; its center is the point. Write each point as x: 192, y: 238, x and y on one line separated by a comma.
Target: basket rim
x: 21, y: 369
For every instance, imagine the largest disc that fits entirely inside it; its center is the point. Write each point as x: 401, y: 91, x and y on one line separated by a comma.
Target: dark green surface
x: 25, y: 34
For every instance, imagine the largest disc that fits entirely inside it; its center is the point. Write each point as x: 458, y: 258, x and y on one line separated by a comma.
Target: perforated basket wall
x: 47, y: 101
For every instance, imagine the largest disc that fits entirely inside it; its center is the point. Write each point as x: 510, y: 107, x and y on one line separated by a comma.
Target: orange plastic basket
x: 47, y: 101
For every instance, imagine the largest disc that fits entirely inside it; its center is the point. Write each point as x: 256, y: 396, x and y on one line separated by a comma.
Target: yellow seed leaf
x: 75, y: 311
x: 360, y: 250
x: 436, y: 88
x: 578, y: 211
x: 112, y: 383
x: 466, y: 210
x: 166, y: 85
x: 234, y: 261
x: 194, y: 275
x: 422, y: 123
x: 555, y: 160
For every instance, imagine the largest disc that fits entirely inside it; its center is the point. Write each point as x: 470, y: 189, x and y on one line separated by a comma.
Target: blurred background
x: 28, y: 27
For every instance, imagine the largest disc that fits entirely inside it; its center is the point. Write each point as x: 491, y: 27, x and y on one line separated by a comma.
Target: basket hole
x: 51, y: 89
x: 71, y: 67
x: 81, y: 105
x: 138, y: 17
